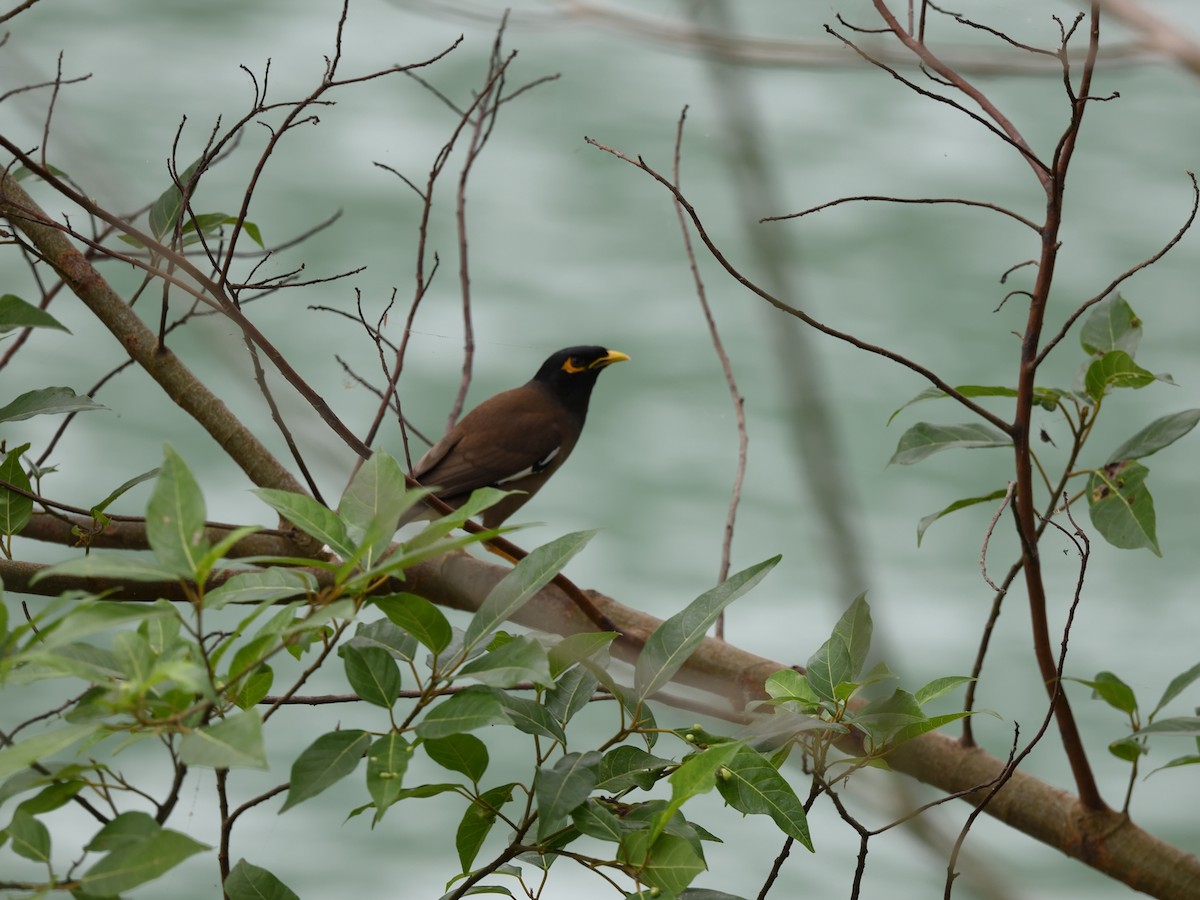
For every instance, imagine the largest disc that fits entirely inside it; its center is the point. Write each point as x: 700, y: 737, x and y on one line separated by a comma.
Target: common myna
x: 516, y: 440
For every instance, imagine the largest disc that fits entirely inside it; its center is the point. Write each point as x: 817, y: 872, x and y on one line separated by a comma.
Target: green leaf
x: 175, y: 524
x: 223, y: 547
x: 373, y: 675
x: 16, y: 757
x: 429, y: 790
x: 1111, y: 325
x: 254, y: 687
x: 1178, y: 684
x: 530, y: 717
x: 1047, y: 398
x: 418, y: 617
x: 628, y: 766
x: 924, y: 524
x: 477, y: 502
x: 249, y: 882
x: 571, y: 694
x: 30, y: 838
x: 55, y: 795
x: 967, y: 390
x: 16, y: 313
x: 1114, y: 369
x: 1129, y: 749
x: 668, y: 648
x: 98, y: 510
x: 884, y: 717
x: 925, y: 439
x: 385, y: 635
x: 92, y: 616
x: 841, y: 658
x: 137, y: 861
x: 667, y: 864
x: 752, y: 785
x: 1121, y: 507
x: 209, y: 224
x: 378, y: 487
x: 15, y: 509
x: 923, y: 726
x: 574, y: 648
x: 476, y: 707
x: 560, y: 788
x: 1113, y: 691
x: 108, y: 565
x: 374, y: 501
x: 1160, y: 433
x: 167, y: 209
x: 405, y: 557
x: 253, y: 231
x: 387, y: 761
x: 1189, y: 760
x: 134, y: 656
x: 478, y: 820
x: 519, y: 586
x: 1185, y: 726
x: 235, y: 742
x: 311, y: 517
x: 80, y: 660
x: 521, y: 659
x: 463, y: 753
x: 20, y: 173
x: 51, y: 401
x: 940, y: 686
x: 788, y: 684
x: 595, y: 820
x: 696, y: 775
x: 260, y: 587
x: 327, y: 760
x: 126, y: 829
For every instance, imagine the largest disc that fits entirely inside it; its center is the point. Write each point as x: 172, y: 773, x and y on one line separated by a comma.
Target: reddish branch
x: 1024, y: 512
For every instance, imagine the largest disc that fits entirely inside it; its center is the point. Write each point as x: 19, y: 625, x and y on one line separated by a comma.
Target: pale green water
x: 569, y: 245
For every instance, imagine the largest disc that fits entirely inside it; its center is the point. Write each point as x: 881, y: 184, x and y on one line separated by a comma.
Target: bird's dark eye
x: 571, y: 367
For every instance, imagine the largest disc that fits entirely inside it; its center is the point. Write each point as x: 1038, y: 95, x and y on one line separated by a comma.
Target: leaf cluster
x: 166, y: 673
x: 1119, y: 502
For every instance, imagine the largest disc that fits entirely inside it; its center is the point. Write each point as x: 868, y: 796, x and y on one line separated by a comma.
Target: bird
x: 517, y: 439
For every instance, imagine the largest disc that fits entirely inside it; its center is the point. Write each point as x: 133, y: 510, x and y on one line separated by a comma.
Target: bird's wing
x: 497, y: 440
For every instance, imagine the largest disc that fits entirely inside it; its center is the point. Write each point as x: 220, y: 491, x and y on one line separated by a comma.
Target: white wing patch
x: 537, y: 467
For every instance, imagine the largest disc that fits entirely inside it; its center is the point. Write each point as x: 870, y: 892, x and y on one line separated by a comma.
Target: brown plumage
x: 517, y: 439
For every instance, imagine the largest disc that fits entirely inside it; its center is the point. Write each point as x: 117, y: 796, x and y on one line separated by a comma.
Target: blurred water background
x: 569, y: 245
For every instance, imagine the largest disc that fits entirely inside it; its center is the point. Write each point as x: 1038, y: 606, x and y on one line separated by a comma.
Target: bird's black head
x: 571, y: 373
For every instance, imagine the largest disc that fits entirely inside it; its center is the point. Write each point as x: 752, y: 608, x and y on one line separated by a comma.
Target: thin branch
x: 763, y: 52
x: 991, y: 118
x: 1128, y: 273
x: 1028, y: 223
x: 1083, y: 546
x: 735, y: 395
x: 804, y: 317
x: 1025, y: 517
x: 988, y: 536
x: 17, y: 10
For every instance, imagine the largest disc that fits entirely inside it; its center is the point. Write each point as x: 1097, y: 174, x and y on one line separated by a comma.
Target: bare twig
x: 988, y: 536
x: 804, y: 317
x: 734, y: 394
x: 1083, y: 545
x: 1128, y: 273
x: 994, y: 207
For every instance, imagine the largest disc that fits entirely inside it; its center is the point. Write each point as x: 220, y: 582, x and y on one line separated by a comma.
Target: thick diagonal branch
x: 176, y: 380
